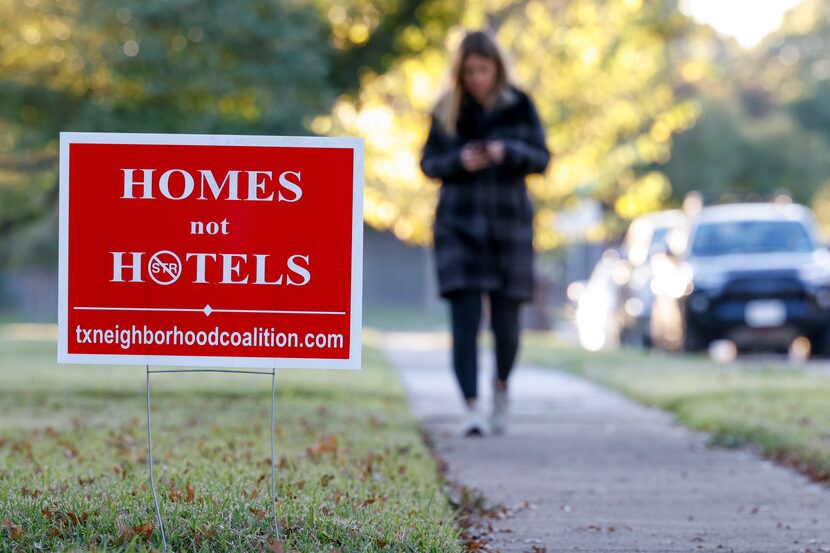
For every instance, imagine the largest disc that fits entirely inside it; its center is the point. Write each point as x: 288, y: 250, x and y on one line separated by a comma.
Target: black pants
x: 465, y: 310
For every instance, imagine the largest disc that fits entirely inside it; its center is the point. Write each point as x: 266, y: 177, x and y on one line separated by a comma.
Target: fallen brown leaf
x: 175, y: 495
x: 325, y: 444
x: 276, y: 546
x: 144, y: 531
x: 14, y: 530
x: 204, y: 536
x: 365, y: 503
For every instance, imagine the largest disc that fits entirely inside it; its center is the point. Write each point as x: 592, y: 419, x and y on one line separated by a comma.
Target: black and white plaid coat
x: 484, y: 220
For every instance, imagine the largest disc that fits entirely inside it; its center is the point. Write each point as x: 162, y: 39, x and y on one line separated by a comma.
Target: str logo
x: 165, y: 267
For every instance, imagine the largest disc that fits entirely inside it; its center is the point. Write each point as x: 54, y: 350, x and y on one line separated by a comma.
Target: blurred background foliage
x: 641, y: 103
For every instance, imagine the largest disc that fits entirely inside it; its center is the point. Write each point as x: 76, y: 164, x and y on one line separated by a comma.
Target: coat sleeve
x: 529, y: 154
x: 441, y: 157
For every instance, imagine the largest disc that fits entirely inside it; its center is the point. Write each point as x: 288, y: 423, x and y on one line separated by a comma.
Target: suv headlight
x: 815, y: 275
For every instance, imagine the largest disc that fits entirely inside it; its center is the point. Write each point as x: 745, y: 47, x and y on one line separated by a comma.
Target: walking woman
x: 485, y: 138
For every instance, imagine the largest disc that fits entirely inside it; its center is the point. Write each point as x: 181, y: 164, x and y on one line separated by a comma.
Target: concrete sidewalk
x: 604, y: 474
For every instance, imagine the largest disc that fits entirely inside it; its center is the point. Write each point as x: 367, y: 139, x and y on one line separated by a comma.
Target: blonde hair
x: 479, y: 43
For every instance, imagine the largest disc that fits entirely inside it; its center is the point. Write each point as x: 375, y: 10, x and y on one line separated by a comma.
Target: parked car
x: 646, y: 235
x: 614, y: 304
x: 755, y: 274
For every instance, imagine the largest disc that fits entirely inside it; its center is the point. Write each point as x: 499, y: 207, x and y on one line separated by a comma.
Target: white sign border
x: 353, y: 362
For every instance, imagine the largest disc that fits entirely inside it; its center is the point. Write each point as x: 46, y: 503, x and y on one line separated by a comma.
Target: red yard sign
x: 200, y: 250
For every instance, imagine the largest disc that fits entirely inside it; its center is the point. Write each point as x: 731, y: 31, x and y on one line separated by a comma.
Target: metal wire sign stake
x: 273, y: 374
x: 213, y: 255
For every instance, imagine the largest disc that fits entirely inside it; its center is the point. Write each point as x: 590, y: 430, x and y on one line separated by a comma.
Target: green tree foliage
x: 766, y: 115
x: 792, y: 66
x: 730, y: 156
x: 254, y: 66
x: 598, y: 72
x: 370, y: 35
x: 151, y: 66
x: 813, y: 112
x: 619, y: 85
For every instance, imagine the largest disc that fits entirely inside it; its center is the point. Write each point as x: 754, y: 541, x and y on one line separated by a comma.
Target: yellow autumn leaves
x: 600, y: 73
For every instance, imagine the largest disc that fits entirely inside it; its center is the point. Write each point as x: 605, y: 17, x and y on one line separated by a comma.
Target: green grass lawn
x: 782, y: 411
x: 354, y: 473
x: 406, y: 318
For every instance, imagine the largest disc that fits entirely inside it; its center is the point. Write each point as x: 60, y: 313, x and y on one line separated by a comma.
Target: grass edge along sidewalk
x: 354, y: 473
x: 782, y: 412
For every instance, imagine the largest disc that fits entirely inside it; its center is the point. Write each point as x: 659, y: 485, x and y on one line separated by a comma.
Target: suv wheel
x: 693, y: 337
x: 821, y: 345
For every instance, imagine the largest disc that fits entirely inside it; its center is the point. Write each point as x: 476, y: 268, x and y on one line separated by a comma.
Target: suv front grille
x: 764, y: 285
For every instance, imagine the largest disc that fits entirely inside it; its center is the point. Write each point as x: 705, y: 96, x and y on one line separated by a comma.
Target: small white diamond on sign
x: 208, y: 310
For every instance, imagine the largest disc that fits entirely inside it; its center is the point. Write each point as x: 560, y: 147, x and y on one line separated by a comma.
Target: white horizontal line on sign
x: 208, y: 312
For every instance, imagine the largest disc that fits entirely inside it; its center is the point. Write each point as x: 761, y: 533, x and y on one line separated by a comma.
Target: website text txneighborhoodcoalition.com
x: 256, y: 337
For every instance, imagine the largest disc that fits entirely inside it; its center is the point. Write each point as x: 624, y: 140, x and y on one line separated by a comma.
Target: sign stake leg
x: 150, y: 463
x: 273, y: 451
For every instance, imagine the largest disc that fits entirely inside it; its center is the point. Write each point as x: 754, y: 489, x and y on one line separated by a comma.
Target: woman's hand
x: 495, y: 151
x: 475, y: 156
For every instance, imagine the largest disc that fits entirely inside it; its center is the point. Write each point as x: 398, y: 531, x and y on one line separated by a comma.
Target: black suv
x: 751, y: 273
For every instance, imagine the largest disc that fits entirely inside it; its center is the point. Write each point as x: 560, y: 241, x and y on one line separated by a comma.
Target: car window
x: 659, y: 236
x: 736, y: 237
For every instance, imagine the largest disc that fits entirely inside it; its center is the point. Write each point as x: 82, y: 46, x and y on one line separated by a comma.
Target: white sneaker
x: 473, y: 422
x: 498, y: 419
